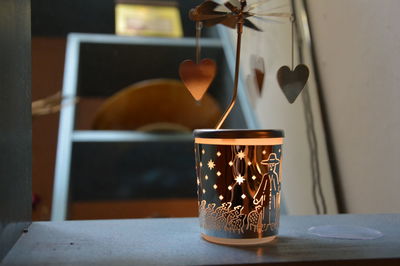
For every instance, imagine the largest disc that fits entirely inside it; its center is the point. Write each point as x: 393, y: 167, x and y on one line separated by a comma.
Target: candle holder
x: 239, y: 183
x: 238, y: 171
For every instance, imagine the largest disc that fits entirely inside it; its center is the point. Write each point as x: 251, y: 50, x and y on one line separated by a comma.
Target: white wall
x: 358, y: 51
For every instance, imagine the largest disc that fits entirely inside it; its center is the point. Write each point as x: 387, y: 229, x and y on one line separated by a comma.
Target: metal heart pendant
x: 197, y: 77
x: 257, y: 64
x: 292, y: 82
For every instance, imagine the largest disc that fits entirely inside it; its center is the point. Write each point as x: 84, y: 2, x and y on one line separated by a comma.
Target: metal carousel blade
x: 273, y: 14
x: 205, y: 11
x: 251, y: 25
x: 203, y: 17
x: 256, y: 4
x: 212, y: 22
x: 224, y: 7
x: 269, y: 20
x: 230, y: 21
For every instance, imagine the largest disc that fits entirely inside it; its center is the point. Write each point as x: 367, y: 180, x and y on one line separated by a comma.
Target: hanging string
x: 199, y: 26
x: 292, y: 19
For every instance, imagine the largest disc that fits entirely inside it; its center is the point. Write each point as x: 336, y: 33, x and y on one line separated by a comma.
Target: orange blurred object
x: 157, y: 105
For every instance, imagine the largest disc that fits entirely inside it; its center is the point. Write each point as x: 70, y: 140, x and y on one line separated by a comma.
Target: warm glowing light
x: 215, y: 186
x: 204, y: 191
x: 203, y: 151
x: 201, y: 164
x: 221, y: 197
x: 198, y: 181
x: 206, y: 177
x: 218, y: 173
x: 249, y: 163
x: 218, y: 154
x: 230, y: 188
x: 211, y: 164
x: 253, y: 177
x: 279, y: 150
x: 230, y: 163
x: 239, y: 179
x: 243, y: 196
x: 264, y: 152
x: 241, y: 155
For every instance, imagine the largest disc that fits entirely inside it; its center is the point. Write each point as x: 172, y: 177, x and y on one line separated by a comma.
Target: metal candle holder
x: 238, y: 171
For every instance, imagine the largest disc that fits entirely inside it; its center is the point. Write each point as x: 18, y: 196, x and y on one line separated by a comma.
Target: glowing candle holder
x: 239, y: 183
x: 238, y: 171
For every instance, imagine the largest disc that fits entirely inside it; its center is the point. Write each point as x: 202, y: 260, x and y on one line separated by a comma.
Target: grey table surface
x: 177, y: 241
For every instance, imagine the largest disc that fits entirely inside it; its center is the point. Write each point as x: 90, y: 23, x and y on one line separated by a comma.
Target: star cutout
x: 253, y: 177
x: 218, y: 173
x: 249, y: 163
x: 215, y: 186
x: 264, y: 152
x: 243, y: 196
x: 218, y: 154
x: 230, y: 163
x: 230, y: 188
x: 241, y: 155
x: 221, y: 197
x: 211, y: 164
x: 239, y: 179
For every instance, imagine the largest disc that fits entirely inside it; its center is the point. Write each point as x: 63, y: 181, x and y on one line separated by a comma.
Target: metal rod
x: 236, y: 81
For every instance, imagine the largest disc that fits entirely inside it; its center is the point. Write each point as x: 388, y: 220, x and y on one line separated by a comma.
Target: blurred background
x: 122, y: 146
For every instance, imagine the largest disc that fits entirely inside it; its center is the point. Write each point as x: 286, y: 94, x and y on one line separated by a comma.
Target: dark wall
x: 15, y: 121
x: 60, y: 17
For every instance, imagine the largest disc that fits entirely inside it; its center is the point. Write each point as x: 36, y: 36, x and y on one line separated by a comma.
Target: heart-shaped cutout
x: 292, y: 82
x: 197, y: 77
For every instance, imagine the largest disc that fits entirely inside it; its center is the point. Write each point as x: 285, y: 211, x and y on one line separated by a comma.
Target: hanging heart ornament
x: 257, y: 64
x: 197, y: 77
x: 293, y: 82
